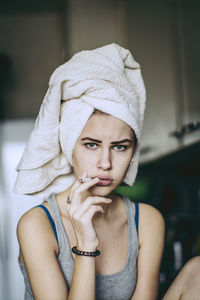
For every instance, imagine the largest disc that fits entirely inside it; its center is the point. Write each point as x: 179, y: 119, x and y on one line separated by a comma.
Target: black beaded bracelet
x: 85, y: 253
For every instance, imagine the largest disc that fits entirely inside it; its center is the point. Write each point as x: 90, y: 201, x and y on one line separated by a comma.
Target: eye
x: 91, y: 145
x: 120, y: 147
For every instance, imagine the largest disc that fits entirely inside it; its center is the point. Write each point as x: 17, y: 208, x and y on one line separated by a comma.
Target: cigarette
x: 84, y: 179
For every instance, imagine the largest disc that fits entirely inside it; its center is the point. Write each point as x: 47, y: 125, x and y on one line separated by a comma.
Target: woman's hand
x: 82, y: 212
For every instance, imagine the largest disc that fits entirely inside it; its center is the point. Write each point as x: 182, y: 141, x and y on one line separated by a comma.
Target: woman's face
x: 104, y: 150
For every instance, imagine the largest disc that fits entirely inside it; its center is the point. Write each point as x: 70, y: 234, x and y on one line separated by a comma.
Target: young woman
x: 86, y: 241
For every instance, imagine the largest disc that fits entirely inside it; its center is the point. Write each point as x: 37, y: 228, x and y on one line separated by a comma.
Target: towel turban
x: 108, y: 79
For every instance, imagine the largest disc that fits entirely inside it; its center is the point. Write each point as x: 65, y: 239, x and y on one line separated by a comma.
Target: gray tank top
x: 117, y: 286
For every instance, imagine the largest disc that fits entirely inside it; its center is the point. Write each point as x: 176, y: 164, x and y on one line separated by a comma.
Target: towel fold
x: 107, y: 79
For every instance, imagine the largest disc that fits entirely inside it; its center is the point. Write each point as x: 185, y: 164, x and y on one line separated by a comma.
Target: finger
x: 75, y: 193
x: 89, y: 202
x: 77, y: 182
x: 75, y: 185
x: 83, y: 177
x: 83, y: 187
x: 86, y: 218
x: 89, y: 214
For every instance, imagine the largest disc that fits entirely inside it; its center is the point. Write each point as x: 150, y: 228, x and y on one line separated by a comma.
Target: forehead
x: 106, y: 126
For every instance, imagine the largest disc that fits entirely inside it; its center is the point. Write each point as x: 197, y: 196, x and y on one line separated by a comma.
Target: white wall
x: 13, y: 137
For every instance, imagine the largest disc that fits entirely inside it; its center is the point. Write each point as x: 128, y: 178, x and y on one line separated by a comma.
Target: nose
x: 104, y: 160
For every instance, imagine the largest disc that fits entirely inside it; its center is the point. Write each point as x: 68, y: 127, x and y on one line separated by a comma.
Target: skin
x: 186, y: 285
x: 95, y: 219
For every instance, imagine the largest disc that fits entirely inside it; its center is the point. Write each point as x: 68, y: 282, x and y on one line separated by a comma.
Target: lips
x: 104, y: 181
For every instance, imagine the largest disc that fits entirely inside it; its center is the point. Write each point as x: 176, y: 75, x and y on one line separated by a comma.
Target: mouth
x: 104, y: 181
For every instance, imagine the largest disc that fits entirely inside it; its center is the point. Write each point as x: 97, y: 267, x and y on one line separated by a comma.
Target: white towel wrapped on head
x: 107, y: 79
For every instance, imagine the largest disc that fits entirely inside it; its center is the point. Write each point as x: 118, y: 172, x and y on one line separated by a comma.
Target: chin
x: 101, y: 191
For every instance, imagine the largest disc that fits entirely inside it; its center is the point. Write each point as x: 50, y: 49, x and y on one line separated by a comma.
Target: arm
x: 151, y: 242
x: 187, y: 283
x: 81, y: 215
x: 39, y: 250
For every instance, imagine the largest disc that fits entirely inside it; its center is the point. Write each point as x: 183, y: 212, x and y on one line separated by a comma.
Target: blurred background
x: 164, y: 37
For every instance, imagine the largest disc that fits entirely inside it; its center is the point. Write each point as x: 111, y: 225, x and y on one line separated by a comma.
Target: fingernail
x: 96, y: 179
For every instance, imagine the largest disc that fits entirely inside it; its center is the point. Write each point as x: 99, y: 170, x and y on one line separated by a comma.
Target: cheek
x: 82, y: 162
x: 122, y: 161
x: 122, y: 165
x: 123, y: 169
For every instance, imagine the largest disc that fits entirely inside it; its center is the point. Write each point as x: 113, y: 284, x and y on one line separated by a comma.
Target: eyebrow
x: 113, y: 143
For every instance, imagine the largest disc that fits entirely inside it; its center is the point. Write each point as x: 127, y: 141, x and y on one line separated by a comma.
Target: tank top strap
x: 136, y: 215
x: 61, y: 234
x: 131, y: 218
x: 50, y: 219
x: 132, y: 229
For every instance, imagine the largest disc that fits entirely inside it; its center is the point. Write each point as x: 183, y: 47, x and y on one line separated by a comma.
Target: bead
x: 85, y: 253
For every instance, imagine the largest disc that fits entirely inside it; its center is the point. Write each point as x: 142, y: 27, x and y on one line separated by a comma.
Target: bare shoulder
x: 38, y: 252
x: 151, y: 222
x: 34, y: 227
x: 32, y: 220
x: 148, y: 213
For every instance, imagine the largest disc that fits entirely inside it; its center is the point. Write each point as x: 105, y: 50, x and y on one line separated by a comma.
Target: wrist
x: 79, y: 252
x: 87, y: 247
